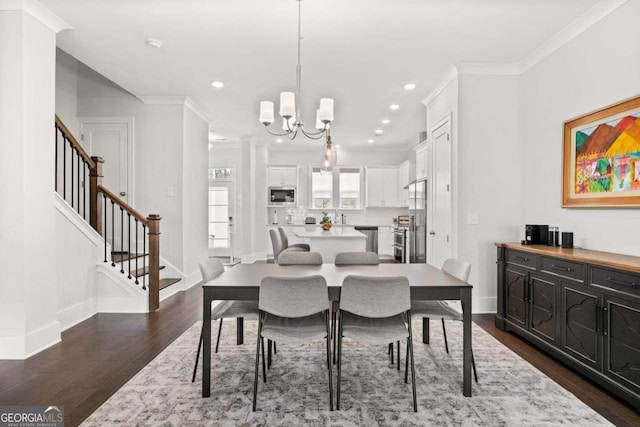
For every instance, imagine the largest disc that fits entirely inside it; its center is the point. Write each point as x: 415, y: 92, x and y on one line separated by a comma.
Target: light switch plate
x: 473, y: 219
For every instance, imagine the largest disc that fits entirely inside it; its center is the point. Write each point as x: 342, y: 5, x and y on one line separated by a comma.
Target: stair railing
x: 120, y: 225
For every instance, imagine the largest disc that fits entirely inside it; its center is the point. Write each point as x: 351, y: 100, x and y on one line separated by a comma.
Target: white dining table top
x: 332, y: 233
x: 250, y: 275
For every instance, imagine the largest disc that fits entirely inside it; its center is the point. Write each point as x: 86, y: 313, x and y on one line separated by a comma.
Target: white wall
x: 490, y: 177
x: 195, y: 192
x: 596, y: 69
x: 67, y: 90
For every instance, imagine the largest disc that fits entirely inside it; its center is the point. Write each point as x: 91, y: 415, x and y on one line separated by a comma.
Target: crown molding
x: 450, y: 75
x: 38, y: 11
x: 599, y: 11
x: 186, y: 101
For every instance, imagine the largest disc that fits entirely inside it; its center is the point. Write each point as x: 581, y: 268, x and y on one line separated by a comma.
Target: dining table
x: 242, y: 282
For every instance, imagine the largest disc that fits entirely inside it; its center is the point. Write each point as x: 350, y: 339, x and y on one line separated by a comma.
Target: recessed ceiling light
x: 371, y: 141
x: 154, y: 43
x: 394, y: 107
x: 279, y: 140
x: 385, y: 121
x: 379, y: 131
x: 216, y: 84
x: 410, y: 86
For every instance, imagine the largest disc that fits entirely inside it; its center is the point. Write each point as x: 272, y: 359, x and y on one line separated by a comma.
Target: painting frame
x: 601, y: 167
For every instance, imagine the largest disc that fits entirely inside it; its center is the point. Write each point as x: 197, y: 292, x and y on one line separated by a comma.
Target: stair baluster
x: 129, y: 244
x: 144, y: 251
x: 104, y: 196
x: 113, y: 227
x: 143, y: 254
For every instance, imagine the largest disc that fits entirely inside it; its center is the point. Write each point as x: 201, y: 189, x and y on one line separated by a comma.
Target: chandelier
x: 291, y: 116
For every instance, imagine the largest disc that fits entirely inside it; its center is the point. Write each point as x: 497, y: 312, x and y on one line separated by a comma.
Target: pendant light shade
x: 329, y: 157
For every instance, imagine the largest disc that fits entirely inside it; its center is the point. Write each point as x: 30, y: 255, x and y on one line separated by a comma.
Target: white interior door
x: 111, y: 139
x: 221, y: 212
x: 441, y: 224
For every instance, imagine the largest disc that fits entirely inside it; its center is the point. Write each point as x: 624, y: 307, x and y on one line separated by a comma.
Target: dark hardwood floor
x: 98, y: 356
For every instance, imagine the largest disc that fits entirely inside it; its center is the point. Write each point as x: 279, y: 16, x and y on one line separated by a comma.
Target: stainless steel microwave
x: 282, y: 196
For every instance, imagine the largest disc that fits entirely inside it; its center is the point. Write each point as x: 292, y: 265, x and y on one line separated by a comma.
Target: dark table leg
x: 425, y: 330
x: 239, y: 331
x: 465, y: 298
x: 206, y: 351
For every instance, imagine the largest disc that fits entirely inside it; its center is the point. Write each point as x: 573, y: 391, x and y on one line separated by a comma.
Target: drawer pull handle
x: 521, y: 258
x: 620, y: 282
x: 559, y: 267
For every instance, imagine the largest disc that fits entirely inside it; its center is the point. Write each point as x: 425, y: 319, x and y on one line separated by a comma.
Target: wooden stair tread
x: 143, y: 271
x: 166, y: 282
x: 125, y: 256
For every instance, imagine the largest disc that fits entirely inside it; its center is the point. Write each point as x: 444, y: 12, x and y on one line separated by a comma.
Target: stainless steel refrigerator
x: 418, y: 222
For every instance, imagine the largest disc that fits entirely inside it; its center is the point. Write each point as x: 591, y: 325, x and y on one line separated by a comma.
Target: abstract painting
x: 602, y: 157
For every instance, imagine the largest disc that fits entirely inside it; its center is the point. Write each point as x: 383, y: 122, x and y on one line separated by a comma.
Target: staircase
x: 131, y: 240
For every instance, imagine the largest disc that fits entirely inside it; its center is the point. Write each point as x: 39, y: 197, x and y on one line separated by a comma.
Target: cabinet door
x: 421, y: 163
x: 275, y: 177
x: 390, y: 183
x: 290, y: 177
x: 403, y: 181
x: 515, y: 296
x: 581, y: 324
x: 621, y: 331
x: 543, y: 293
x: 375, y: 187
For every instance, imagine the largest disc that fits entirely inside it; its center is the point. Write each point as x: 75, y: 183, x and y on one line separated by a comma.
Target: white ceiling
x: 360, y: 52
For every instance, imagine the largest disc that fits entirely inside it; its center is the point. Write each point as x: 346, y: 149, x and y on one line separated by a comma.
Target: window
x: 220, y: 174
x: 349, y: 188
x: 339, y: 189
x: 219, y: 216
x: 321, y: 189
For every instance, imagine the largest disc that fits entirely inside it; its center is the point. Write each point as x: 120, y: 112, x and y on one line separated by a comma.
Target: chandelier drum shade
x: 290, y: 108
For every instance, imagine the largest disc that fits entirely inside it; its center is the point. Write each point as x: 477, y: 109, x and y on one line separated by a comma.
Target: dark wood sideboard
x: 581, y: 306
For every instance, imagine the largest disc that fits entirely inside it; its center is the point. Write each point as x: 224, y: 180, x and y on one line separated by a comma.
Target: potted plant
x: 326, y: 221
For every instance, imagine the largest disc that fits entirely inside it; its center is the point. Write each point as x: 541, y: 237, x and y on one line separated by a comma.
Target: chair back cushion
x: 457, y: 268
x: 276, y: 242
x: 283, y: 238
x: 375, y: 296
x: 288, y: 296
x: 210, y: 269
x: 357, y: 258
x: 290, y: 257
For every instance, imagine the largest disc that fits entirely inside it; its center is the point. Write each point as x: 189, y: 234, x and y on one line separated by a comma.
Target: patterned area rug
x: 510, y: 391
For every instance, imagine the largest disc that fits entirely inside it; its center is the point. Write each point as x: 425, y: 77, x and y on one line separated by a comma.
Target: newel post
x: 95, y: 201
x: 154, y: 262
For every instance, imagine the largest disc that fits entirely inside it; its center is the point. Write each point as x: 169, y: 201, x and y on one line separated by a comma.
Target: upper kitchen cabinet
x: 403, y: 181
x: 282, y: 176
x: 382, y: 186
x: 421, y: 162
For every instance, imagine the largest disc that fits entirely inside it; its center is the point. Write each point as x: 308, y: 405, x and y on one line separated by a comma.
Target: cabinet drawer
x: 560, y: 267
x: 522, y: 258
x: 618, y: 280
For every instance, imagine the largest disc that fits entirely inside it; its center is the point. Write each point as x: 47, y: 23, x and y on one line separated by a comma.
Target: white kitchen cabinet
x: 385, y: 241
x: 421, y: 162
x: 403, y: 181
x: 382, y: 187
x: 283, y: 176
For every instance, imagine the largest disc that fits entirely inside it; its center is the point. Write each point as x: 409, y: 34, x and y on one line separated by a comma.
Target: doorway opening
x: 221, y: 213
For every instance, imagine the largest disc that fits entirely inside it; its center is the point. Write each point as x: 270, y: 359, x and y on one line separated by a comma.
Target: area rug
x: 510, y: 391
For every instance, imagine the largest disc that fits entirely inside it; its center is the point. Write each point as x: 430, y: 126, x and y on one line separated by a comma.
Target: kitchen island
x: 331, y: 242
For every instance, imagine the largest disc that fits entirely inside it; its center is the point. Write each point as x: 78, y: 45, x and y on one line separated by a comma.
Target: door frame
x: 129, y: 121
x: 447, y: 118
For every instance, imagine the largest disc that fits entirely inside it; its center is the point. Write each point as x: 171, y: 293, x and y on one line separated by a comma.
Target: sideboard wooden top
x: 606, y: 259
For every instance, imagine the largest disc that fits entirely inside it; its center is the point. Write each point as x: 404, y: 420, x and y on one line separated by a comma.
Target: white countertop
x: 334, y: 225
x: 333, y: 233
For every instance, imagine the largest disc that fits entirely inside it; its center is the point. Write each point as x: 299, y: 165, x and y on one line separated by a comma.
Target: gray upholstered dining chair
x: 434, y: 309
x: 210, y: 269
x: 357, y: 258
x: 376, y: 310
x: 286, y: 245
x: 299, y: 258
x: 276, y: 244
x: 294, y: 310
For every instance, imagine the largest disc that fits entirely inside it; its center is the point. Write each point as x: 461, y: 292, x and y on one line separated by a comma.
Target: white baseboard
x: 24, y: 346
x: 122, y: 305
x: 77, y: 313
x: 191, y: 280
x: 484, y: 305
